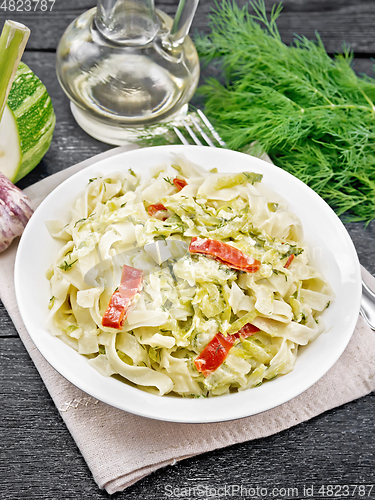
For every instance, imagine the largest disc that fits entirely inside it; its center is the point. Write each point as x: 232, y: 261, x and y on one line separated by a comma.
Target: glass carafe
x: 125, y: 64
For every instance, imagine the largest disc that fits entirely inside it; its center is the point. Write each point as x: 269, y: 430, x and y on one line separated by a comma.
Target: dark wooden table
x: 39, y: 457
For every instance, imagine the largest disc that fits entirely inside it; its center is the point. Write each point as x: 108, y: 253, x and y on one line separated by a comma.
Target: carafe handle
x: 182, y: 22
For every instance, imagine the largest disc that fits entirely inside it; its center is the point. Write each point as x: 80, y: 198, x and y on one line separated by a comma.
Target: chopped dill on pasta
x: 199, y: 287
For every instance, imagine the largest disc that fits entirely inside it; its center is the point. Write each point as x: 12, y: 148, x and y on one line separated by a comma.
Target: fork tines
x: 199, y: 132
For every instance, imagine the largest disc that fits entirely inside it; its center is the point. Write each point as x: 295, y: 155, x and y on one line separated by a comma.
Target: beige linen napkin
x: 121, y: 448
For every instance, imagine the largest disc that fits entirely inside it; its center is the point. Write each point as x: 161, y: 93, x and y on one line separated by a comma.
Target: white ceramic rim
x: 333, y: 253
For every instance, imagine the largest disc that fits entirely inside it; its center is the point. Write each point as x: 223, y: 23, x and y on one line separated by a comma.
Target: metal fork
x: 193, y: 129
x: 367, y: 310
x: 199, y: 129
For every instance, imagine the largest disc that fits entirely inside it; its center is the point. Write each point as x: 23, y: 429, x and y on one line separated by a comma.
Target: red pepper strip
x: 179, y: 183
x: 224, y: 253
x: 247, y: 330
x: 156, y: 207
x: 156, y: 210
x: 121, y: 300
x: 289, y: 261
x: 215, y: 352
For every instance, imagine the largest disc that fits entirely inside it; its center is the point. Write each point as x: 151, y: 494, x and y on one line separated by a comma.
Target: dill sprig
x: 66, y: 267
x: 311, y: 113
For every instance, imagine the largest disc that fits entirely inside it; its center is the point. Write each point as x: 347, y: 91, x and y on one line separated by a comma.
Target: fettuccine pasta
x: 184, y: 281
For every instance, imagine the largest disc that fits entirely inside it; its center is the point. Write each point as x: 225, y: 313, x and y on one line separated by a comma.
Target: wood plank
x: 363, y: 239
x: 345, y: 20
x: 6, y: 326
x: 42, y: 461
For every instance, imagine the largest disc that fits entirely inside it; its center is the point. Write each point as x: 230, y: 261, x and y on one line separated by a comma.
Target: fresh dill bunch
x: 311, y: 113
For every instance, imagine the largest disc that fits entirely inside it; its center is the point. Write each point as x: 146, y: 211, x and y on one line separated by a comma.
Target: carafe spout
x: 182, y: 22
x: 127, y: 22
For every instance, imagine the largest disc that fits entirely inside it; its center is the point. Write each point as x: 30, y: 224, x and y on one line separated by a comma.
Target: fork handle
x: 368, y: 305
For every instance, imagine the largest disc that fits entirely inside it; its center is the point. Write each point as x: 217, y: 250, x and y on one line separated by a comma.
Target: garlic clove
x: 15, y: 212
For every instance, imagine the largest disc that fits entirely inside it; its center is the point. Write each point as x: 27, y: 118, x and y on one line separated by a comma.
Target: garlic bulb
x: 15, y: 211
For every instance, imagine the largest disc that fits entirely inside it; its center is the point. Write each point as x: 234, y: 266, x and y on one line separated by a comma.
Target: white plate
x: 333, y: 254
